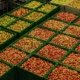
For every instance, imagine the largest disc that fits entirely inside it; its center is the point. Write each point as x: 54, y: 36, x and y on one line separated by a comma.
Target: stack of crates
x: 3, y: 4
x: 7, y: 5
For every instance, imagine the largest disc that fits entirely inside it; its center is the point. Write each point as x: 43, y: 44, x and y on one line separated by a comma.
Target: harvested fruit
x: 75, y: 4
x: 28, y: 44
x: 19, y: 26
x: 37, y: 66
x: 61, y: 2
x: 6, y: 20
x: 54, y: 24
x: 62, y: 73
x: 73, y: 30
x: 52, y: 52
x: 73, y: 60
x: 21, y: 12
x: 34, y: 16
x: 47, y: 8
x: 41, y: 33
x: 65, y: 41
x: 66, y: 16
x: 78, y: 48
x: 3, y: 68
x: 33, y: 4
x: 77, y: 22
x: 4, y: 36
x: 12, y: 55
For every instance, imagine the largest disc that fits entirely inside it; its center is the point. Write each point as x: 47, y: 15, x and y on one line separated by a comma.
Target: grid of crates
x: 40, y: 42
